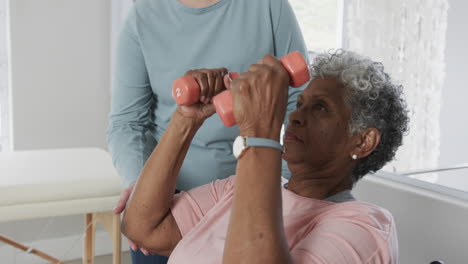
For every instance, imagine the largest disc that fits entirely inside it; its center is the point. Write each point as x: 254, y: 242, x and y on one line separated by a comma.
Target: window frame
x: 5, y: 87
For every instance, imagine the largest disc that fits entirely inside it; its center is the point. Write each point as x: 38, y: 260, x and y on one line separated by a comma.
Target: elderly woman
x: 349, y: 121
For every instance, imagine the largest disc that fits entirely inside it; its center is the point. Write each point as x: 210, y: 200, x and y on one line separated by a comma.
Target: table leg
x: 116, y: 240
x: 111, y: 223
x: 88, y: 248
x: 30, y: 250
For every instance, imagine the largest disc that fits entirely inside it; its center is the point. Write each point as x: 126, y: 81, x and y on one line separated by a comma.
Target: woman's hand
x: 260, y: 98
x: 211, y: 83
x: 197, y: 112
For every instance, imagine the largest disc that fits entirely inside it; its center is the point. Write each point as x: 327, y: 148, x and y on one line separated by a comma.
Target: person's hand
x: 260, y: 98
x: 197, y: 112
x: 120, y: 207
x: 124, y: 195
x: 211, y: 83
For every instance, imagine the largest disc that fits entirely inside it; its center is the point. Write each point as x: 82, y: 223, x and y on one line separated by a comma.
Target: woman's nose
x: 296, y: 118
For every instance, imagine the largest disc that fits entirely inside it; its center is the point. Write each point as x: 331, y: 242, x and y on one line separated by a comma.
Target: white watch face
x: 238, y: 146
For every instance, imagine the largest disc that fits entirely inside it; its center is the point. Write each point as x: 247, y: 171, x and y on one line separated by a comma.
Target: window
x: 409, y: 38
x: 4, y: 91
x: 320, y: 22
x: 422, y: 45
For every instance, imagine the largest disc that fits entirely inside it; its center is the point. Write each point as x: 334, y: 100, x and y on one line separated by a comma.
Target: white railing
x: 421, y: 171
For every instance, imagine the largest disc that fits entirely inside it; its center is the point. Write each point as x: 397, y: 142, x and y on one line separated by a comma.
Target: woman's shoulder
x: 351, y: 227
x: 362, y: 213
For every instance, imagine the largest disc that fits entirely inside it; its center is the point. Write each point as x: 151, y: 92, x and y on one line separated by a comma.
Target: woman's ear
x: 366, y: 142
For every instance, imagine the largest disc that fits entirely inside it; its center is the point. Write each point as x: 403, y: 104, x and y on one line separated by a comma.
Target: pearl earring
x: 354, y: 157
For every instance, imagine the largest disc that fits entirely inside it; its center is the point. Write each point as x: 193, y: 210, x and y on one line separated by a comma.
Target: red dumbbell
x: 186, y: 91
x: 299, y: 74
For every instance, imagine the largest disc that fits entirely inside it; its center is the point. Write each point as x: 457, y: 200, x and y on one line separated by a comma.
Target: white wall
x: 60, y: 72
x: 60, y: 54
x: 454, y: 109
x: 454, y: 115
x: 430, y: 220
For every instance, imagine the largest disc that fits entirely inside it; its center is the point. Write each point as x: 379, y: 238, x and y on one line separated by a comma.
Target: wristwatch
x: 241, y: 144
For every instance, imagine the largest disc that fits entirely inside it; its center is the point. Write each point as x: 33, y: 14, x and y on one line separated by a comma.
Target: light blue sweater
x: 159, y: 42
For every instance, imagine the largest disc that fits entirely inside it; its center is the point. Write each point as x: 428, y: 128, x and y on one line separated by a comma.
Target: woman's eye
x: 320, y: 107
x: 298, y: 105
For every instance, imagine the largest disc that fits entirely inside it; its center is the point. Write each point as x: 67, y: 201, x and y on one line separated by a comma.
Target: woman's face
x: 317, y: 134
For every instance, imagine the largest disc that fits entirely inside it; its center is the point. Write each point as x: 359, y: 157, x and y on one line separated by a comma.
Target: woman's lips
x: 291, y: 137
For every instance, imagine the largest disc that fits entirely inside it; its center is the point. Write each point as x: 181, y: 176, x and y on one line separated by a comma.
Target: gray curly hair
x: 375, y: 102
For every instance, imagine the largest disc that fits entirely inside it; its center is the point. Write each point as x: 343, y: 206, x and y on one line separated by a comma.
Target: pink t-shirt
x: 317, y: 231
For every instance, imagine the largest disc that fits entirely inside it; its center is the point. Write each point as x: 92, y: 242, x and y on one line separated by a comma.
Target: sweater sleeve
x: 132, y: 103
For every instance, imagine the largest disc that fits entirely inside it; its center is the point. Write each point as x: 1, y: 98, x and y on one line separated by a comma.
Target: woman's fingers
x: 146, y: 252
x: 121, y: 203
x: 133, y: 246
x: 228, y: 78
x: 124, y: 195
x: 219, y: 82
x: 271, y: 61
x: 215, y: 82
x: 210, y: 82
x: 211, y: 77
x: 257, y: 67
x: 227, y: 81
x: 202, y: 80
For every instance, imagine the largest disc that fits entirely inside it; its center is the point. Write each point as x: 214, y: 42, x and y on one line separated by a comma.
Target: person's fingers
x: 119, y: 207
x: 133, y: 246
x: 271, y: 61
x: 257, y: 67
x: 227, y: 81
x: 240, y: 84
x: 144, y: 251
x: 224, y: 72
x: 276, y: 66
x: 202, y: 81
x: 219, y: 85
x: 124, y: 195
x: 211, y: 79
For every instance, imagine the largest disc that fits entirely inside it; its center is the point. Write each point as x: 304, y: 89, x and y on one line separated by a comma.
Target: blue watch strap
x: 262, y: 142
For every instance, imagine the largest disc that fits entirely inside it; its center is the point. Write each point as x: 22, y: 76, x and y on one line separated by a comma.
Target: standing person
x: 159, y: 42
